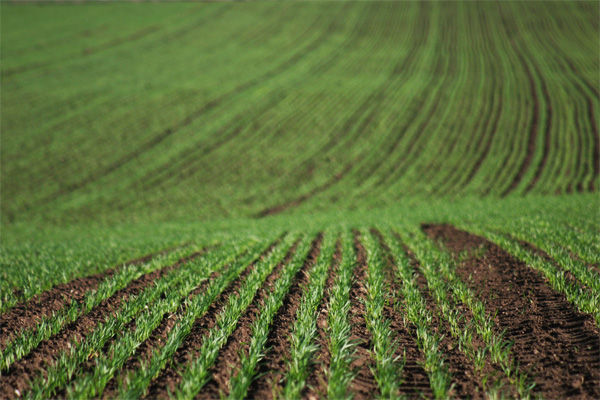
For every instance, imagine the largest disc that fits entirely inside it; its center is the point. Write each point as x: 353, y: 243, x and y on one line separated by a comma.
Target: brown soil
x: 415, y: 381
x: 271, y: 369
x: 541, y: 253
x: 28, y: 314
x: 363, y: 386
x: 465, y: 380
x: 170, y: 377
x: 29, y: 367
x: 552, y: 342
x: 229, y: 359
x: 316, y: 383
x: 157, y: 339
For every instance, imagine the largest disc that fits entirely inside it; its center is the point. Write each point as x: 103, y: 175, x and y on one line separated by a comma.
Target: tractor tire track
x: 557, y: 344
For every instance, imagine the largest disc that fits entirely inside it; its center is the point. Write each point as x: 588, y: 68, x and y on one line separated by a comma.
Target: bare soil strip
x: 27, y: 314
x: 170, y: 377
x: 465, y: 380
x: 363, y: 385
x: 29, y: 367
x: 316, y: 383
x: 272, y: 368
x: 558, y: 346
x: 415, y: 379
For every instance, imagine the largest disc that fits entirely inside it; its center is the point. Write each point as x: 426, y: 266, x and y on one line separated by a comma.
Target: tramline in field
x: 302, y: 200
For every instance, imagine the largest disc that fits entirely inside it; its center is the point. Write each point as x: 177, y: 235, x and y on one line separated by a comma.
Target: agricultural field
x: 300, y: 200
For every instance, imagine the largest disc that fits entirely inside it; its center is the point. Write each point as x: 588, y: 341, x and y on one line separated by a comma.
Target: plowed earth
x: 554, y: 344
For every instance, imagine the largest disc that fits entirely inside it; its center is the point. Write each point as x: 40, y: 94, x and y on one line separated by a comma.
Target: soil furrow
x: 363, y: 386
x: 29, y: 367
x: 316, y: 383
x: 571, y: 278
x: 415, y: 381
x: 464, y: 379
x: 558, y: 346
x: 157, y: 339
x: 272, y: 368
x: 168, y: 380
x: 28, y: 314
x: 229, y: 358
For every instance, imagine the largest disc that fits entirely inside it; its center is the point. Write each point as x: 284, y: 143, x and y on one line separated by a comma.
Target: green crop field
x: 300, y: 200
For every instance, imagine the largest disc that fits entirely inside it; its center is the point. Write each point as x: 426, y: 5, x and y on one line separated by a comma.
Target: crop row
x: 380, y: 296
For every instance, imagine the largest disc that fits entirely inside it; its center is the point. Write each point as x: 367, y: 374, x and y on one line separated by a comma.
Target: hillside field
x: 300, y: 200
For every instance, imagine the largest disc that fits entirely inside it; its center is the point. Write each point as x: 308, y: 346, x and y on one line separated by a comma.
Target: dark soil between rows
x: 230, y: 356
x: 363, y: 385
x: 157, y: 338
x: 33, y: 364
x: 465, y: 380
x: 316, y: 383
x: 272, y: 368
x: 541, y: 253
x: 555, y: 344
x: 170, y: 377
x: 28, y: 314
x: 415, y: 381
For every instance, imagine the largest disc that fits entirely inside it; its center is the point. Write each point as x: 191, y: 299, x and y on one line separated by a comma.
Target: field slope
x: 300, y: 200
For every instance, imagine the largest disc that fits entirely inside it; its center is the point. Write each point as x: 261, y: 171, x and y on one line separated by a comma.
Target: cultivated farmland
x: 300, y: 200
